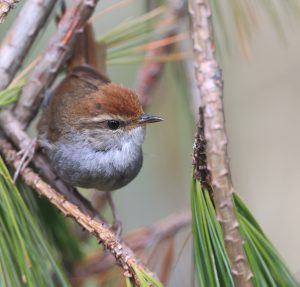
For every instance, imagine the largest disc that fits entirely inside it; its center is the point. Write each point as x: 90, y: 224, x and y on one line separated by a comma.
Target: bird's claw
x: 27, y: 155
x: 116, y: 227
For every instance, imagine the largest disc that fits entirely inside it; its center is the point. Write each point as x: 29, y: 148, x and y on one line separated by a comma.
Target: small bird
x: 92, y: 131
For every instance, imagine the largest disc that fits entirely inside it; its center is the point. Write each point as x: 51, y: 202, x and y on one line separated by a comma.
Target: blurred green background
x: 262, y: 104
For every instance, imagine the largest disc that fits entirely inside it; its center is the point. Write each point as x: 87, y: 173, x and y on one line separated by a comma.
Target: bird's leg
x: 117, y: 224
x: 27, y: 155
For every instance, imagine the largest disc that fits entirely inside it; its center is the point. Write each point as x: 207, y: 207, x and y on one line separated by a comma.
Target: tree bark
x: 20, y: 37
x: 210, y: 85
x: 5, y: 7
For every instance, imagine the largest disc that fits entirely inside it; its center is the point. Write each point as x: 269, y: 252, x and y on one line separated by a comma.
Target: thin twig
x: 137, y: 240
x: 5, y: 7
x: 71, y: 23
x: 166, y: 265
x: 210, y: 85
x: 24, y: 72
x: 20, y: 37
x: 121, y: 252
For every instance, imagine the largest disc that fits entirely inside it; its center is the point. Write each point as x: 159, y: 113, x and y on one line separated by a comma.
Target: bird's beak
x: 147, y: 119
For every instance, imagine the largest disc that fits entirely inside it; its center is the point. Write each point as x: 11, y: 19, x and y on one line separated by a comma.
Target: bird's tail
x: 86, y: 51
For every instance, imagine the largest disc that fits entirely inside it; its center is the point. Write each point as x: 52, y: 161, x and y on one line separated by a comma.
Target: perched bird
x: 92, y: 131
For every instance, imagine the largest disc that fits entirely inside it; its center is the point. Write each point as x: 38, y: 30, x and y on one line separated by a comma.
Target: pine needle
x: 111, y: 8
x: 25, y: 254
x: 211, y: 261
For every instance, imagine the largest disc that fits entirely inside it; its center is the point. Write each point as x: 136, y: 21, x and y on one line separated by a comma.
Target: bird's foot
x: 27, y: 155
x: 116, y: 228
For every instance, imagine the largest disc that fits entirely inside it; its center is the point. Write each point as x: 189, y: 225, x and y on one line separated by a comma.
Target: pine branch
x: 122, y: 253
x: 210, y: 85
x: 5, y: 7
x: 137, y: 240
x: 20, y: 37
x: 52, y: 60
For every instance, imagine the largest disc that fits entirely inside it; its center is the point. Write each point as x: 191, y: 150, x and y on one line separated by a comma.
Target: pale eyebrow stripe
x: 102, y: 118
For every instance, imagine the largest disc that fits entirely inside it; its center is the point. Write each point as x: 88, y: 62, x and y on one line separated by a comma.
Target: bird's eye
x: 113, y: 124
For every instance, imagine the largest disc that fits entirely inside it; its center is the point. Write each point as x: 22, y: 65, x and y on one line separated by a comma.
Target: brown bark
x: 5, y: 7
x: 210, y: 85
x: 137, y: 240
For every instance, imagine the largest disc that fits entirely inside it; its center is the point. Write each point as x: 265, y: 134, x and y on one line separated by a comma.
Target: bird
x: 92, y: 131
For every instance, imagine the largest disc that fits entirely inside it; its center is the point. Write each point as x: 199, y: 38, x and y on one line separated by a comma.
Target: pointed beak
x: 147, y: 119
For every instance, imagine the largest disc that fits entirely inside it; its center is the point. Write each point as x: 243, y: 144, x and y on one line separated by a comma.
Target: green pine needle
x: 145, y: 280
x: 9, y: 95
x: 132, y: 28
x: 122, y: 41
x: 128, y: 282
x: 54, y: 225
x: 211, y: 260
x: 25, y: 255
